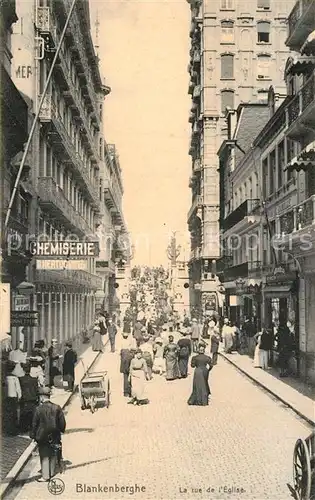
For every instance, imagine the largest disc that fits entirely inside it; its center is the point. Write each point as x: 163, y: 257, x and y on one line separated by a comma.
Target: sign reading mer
x: 64, y: 249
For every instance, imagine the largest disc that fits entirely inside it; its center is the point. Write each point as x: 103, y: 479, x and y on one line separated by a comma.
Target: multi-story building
x: 271, y: 271
x: 68, y: 156
x: 237, y: 50
x: 14, y: 132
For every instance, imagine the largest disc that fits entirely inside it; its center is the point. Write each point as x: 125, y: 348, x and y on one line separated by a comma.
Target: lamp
x: 26, y: 288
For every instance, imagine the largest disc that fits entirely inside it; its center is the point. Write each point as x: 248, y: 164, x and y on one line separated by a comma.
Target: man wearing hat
x: 48, y: 425
x: 195, y: 334
x: 147, y: 352
x: 184, y: 345
x: 69, y: 363
x: 54, y: 361
x: 127, y: 350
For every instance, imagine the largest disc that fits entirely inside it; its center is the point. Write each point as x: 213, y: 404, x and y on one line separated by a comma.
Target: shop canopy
x: 277, y: 291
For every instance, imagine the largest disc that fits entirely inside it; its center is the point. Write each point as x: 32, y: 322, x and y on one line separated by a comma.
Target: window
x: 227, y: 100
x: 226, y: 4
x: 263, y: 4
x: 227, y: 66
x: 263, y: 32
x: 265, y: 177
x: 272, y: 170
x: 281, y: 163
x: 262, y: 96
x: 263, y: 67
x: 290, y: 156
x: 227, y: 32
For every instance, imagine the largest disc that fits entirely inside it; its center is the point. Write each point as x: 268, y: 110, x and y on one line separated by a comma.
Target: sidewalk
x: 16, y: 450
x: 292, y: 392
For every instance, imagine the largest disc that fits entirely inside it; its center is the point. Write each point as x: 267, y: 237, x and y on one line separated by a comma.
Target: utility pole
x: 31, y: 134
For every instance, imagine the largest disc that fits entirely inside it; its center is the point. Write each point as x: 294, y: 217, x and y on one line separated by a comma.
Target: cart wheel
x: 107, y: 401
x: 83, y: 403
x: 92, y: 404
x: 301, y: 470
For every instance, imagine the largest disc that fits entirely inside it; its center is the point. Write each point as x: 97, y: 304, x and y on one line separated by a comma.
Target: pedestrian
x: 13, y: 396
x: 171, y: 359
x: 29, y: 398
x: 205, y: 329
x: 285, y: 348
x: 19, y: 358
x: 137, y: 332
x: 184, y: 352
x: 48, y: 425
x: 97, y: 343
x: 214, y: 340
x: 201, y: 390
x: 195, y: 334
x: 112, y: 332
x: 227, y: 336
x: 69, y: 362
x: 250, y: 333
x: 266, y: 344
x: 159, y: 361
x: 102, y: 323
x: 257, y: 359
x: 128, y: 348
x: 147, y: 353
x: 137, y: 377
x: 54, y: 362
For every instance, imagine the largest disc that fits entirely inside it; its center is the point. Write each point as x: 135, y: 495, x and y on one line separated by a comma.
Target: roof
x: 252, y: 119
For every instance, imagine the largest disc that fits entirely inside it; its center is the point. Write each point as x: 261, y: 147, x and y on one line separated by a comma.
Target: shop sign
x: 24, y: 318
x: 22, y: 303
x: 77, y: 265
x: 57, y: 249
x: 282, y: 207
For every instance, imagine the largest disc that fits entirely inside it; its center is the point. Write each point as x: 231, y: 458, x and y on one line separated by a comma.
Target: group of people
x: 142, y: 355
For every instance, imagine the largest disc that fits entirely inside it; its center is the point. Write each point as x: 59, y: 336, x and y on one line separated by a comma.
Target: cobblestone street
x: 243, y: 440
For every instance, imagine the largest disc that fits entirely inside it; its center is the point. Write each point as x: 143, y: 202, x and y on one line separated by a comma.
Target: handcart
x: 304, y: 468
x: 94, y: 387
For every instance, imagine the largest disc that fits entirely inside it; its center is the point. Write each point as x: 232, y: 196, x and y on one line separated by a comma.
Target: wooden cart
x: 94, y: 387
x: 304, y: 468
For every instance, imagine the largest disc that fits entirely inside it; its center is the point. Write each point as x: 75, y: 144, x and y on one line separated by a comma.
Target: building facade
x: 14, y: 131
x: 68, y: 173
x: 270, y: 273
x: 237, y: 50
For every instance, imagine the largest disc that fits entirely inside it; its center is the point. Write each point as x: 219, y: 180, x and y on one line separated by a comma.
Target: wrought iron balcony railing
x: 302, y: 100
x: 300, y: 19
x: 50, y: 114
x: 243, y: 210
x: 51, y: 194
x: 197, y: 203
x: 300, y: 217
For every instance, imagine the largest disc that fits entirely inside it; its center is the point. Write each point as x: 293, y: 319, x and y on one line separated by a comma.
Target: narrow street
x: 243, y: 441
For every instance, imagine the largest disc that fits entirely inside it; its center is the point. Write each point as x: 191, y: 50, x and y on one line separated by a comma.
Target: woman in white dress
x: 138, y: 374
x: 257, y: 354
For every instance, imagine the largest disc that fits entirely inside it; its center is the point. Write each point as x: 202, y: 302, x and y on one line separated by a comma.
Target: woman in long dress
x: 159, y: 361
x: 138, y: 374
x: 227, y: 336
x: 184, y: 346
x: 171, y: 359
x: 257, y: 357
x: 97, y: 343
x: 201, y: 390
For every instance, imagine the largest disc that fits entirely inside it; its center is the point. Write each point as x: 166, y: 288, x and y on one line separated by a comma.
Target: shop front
x: 281, y: 306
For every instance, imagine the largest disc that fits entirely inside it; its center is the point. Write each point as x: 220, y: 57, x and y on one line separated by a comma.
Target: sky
x: 144, y: 54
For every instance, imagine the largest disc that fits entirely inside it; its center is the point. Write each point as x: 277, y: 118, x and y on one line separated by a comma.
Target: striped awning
x: 299, y: 64
x: 308, y: 48
x: 304, y: 160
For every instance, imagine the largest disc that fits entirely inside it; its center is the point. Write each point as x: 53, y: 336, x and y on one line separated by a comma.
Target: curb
x: 260, y: 384
x: 27, y: 454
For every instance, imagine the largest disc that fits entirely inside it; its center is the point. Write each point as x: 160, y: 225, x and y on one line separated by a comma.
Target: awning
x: 304, y: 160
x: 308, y: 47
x: 277, y: 291
x: 229, y: 285
x: 299, y: 64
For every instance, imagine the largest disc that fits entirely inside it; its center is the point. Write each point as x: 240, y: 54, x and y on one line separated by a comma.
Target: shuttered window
x: 263, y: 4
x: 227, y: 66
x: 227, y: 32
x: 227, y: 4
x: 227, y: 100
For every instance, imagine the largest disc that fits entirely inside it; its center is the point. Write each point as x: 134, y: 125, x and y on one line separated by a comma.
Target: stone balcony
x: 59, y: 136
x: 52, y: 197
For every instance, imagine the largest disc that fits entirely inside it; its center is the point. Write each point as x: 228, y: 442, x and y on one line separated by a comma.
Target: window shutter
x: 227, y: 66
x: 263, y: 4
x: 263, y: 27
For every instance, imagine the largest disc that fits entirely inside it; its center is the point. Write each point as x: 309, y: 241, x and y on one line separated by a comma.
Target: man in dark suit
x: 29, y: 399
x: 48, y: 425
